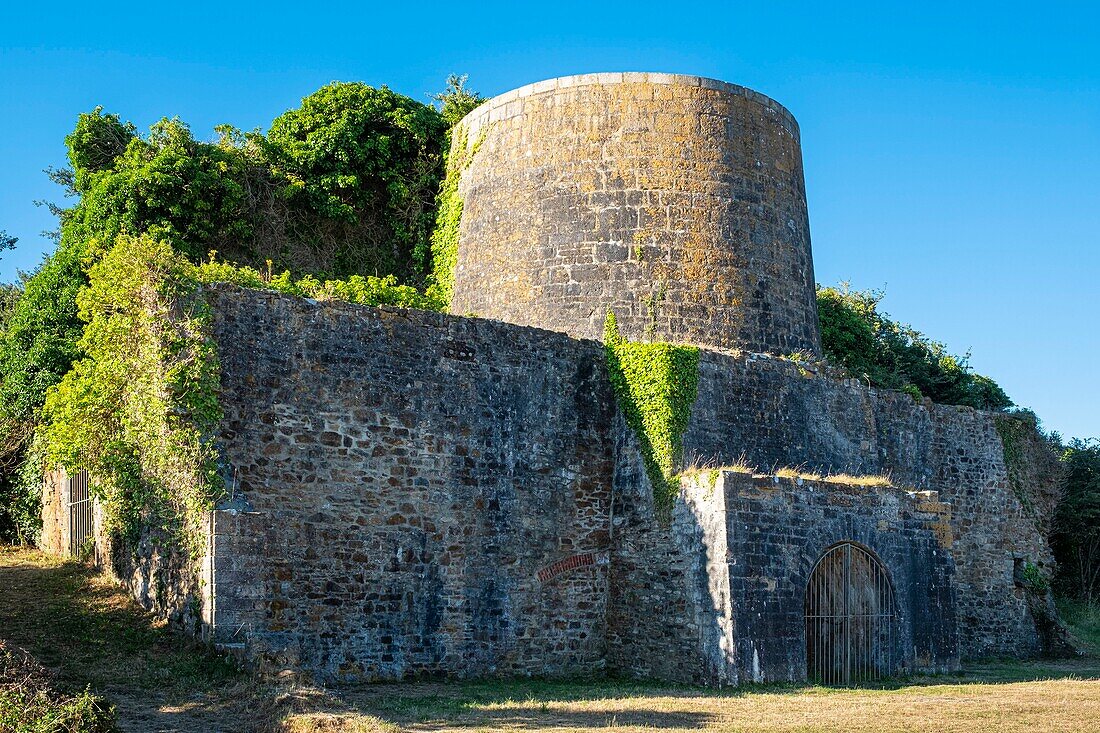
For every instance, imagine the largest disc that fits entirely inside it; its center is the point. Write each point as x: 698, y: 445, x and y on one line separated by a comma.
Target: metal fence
x: 850, y: 618
x: 81, y: 526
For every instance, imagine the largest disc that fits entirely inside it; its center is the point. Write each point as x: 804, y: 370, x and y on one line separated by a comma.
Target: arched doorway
x: 850, y: 618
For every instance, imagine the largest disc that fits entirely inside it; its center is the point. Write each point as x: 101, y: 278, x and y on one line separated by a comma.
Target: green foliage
x: 7, y: 241
x: 870, y: 345
x: 1011, y: 430
x: 449, y: 215
x: 368, y: 290
x: 343, y: 185
x: 367, y: 158
x: 21, y: 488
x: 655, y: 385
x: 1076, y: 536
x: 1034, y: 581
x: 140, y: 409
x: 95, y: 143
x: 24, y: 710
x: 456, y: 101
x: 1083, y: 620
x: 198, y: 196
x: 39, y: 343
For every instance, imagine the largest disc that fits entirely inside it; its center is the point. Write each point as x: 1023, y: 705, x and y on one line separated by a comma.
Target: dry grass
x: 699, y: 467
x: 1068, y: 703
x: 76, y: 623
x: 861, y: 480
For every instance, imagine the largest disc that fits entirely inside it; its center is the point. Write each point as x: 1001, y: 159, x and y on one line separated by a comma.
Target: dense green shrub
x: 367, y: 162
x: 1076, y: 536
x: 872, y: 346
x: 341, y: 191
x: 38, y: 345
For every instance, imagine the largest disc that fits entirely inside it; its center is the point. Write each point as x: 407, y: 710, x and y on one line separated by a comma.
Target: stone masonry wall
x: 677, y: 201
x: 669, y: 613
x: 55, y: 513
x: 777, y: 531
x: 773, y: 413
x: 413, y: 493
x: 419, y: 494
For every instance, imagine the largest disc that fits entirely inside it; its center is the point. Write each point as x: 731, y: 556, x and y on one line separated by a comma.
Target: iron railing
x: 81, y: 525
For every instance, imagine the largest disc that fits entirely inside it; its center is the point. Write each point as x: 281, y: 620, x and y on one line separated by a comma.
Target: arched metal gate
x: 850, y: 618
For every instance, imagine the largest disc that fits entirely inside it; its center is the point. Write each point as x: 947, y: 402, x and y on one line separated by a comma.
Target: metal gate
x: 80, y: 513
x: 850, y: 618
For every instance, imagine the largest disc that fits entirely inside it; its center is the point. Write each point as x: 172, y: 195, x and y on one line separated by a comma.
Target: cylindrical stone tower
x: 676, y: 201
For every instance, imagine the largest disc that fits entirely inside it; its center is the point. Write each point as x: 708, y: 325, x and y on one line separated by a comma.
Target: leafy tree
x: 7, y: 241
x: 366, y: 163
x: 1076, y: 536
x: 199, y: 196
x: 456, y: 101
x: 869, y: 344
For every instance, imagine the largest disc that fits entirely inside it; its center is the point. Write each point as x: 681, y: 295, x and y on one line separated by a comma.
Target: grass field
x: 74, y: 622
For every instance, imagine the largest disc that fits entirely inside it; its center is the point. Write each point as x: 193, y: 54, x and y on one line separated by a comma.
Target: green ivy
x: 655, y: 385
x: 448, y: 221
x: 140, y: 410
x: 1012, y: 430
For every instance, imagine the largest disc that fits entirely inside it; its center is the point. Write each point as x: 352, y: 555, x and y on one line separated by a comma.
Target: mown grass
x: 89, y: 633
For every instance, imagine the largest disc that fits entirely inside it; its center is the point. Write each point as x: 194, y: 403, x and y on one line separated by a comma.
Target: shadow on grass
x: 76, y: 623
x: 537, y: 704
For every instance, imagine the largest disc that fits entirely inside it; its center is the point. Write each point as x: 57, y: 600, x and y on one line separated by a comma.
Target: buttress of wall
x: 676, y: 201
x: 413, y: 493
x: 669, y: 614
x: 772, y: 413
x: 55, y: 513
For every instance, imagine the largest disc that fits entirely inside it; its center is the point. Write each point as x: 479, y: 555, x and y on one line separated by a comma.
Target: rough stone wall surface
x: 677, y: 201
x: 779, y: 528
x: 773, y: 413
x: 55, y: 513
x: 669, y: 614
x: 416, y: 493
x: 413, y: 493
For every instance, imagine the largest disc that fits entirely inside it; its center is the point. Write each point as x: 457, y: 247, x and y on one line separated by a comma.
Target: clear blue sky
x: 952, y: 151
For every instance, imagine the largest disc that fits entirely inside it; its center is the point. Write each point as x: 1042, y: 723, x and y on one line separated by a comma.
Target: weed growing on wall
x: 1011, y: 430
x: 655, y: 385
x: 365, y: 290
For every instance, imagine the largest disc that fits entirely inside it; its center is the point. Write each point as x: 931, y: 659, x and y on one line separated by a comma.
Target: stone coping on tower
x: 497, y: 108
